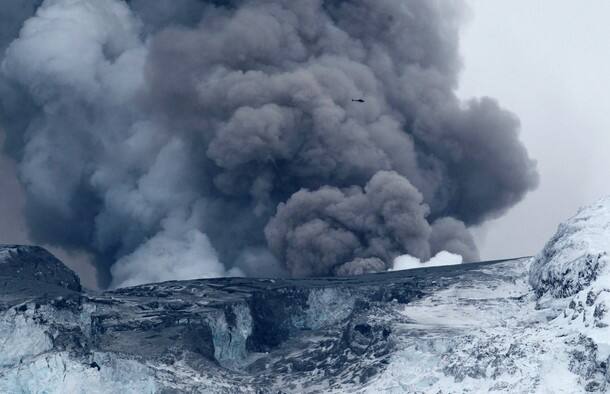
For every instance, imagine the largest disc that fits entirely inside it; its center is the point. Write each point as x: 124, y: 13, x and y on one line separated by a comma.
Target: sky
x: 547, y: 61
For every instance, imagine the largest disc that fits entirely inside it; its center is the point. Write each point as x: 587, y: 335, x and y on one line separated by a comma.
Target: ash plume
x: 183, y: 139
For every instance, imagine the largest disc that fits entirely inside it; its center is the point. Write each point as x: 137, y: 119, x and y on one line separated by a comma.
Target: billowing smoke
x: 319, y: 232
x: 189, y: 138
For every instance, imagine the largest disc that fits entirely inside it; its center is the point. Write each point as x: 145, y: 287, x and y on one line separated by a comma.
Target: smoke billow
x: 191, y: 138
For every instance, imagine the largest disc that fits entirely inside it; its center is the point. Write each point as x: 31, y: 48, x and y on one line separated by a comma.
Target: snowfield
x: 487, y: 336
x: 533, y: 325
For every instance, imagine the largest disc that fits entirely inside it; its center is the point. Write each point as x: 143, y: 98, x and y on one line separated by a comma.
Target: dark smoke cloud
x: 317, y: 233
x: 361, y: 266
x: 180, y: 139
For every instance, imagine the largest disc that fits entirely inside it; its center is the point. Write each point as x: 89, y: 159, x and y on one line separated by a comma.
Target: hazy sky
x: 549, y: 62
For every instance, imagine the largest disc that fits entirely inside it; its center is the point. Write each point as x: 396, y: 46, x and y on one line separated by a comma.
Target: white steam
x: 406, y: 262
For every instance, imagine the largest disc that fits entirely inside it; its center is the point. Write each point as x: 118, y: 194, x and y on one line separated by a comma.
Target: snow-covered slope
x: 577, y: 255
x: 534, y: 325
x: 572, y: 275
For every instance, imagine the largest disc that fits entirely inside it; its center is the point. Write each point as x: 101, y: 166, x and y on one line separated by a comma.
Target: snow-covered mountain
x: 525, y: 325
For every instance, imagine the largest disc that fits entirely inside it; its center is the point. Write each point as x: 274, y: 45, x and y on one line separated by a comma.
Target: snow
x: 407, y: 262
x: 576, y: 255
x: 544, y: 330
x: 475, y: 337
x: 572, y: 273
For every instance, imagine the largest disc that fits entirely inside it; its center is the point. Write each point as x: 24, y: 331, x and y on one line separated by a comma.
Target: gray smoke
x: 181, y: 139
x: 317, y: 233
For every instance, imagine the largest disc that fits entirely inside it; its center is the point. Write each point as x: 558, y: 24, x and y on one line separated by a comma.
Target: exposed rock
x: 21, y: 264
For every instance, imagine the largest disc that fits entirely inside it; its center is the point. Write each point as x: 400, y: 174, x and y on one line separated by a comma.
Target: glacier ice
x: 20, y: 337
x: 538, y: 325
x: 230, y: 339
x: 327, y: 306
x: 60, y: 373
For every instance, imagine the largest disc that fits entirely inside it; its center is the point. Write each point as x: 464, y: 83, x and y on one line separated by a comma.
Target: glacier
x: 531, y: 325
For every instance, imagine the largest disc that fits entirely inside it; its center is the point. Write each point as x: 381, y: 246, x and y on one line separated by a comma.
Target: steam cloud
x: 186, y: 138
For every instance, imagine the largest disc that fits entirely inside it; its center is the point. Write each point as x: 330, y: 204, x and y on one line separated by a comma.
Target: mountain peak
x: 20, y: 264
